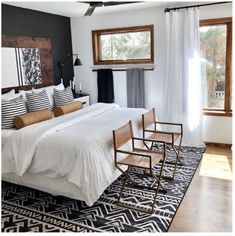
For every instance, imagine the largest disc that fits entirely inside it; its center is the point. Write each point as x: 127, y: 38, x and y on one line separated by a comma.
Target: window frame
x: 96, y: 45
x: 227, y: 110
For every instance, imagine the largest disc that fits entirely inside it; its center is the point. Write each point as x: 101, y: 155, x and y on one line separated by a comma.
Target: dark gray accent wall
x: 18, y: 21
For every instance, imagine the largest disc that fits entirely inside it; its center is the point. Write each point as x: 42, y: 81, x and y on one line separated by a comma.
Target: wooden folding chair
x: 137, y: 157
x: 149, y: 119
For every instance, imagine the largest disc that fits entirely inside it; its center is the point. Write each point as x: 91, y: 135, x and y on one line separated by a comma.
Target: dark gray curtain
x: 135, y: 88
x: 105, y: 86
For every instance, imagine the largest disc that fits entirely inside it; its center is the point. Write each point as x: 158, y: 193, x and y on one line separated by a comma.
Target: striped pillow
x: 63, y: 97
x: 11, y: 109
x: 38, y: 101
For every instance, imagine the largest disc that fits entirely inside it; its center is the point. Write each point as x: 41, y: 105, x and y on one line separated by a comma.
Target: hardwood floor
x: 207, y: 205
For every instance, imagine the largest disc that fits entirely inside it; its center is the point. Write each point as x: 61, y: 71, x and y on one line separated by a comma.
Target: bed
x: 71, y: 155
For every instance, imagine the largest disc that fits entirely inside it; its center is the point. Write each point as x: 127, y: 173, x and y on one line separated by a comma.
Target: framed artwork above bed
x: 26, y: 63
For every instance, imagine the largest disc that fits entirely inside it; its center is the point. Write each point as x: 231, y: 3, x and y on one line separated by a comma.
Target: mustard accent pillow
x: 32, y: 118
x: 67, y: 108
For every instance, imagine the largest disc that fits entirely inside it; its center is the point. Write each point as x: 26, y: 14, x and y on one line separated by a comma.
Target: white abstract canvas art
x: 29, y: 63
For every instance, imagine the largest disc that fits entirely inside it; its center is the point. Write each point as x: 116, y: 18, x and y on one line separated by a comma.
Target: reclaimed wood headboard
x: 44, y: 45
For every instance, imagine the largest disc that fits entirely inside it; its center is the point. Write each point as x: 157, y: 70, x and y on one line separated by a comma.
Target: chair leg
x: 173, y: 163
x: 177, y: 157
x: 159, y: 188
x: 123, y: 185
x: 177, y: 153
x: 159, y: 183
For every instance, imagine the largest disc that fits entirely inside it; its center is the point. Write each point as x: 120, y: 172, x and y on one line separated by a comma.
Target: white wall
x: 82, y: 44
x: 217, y: 129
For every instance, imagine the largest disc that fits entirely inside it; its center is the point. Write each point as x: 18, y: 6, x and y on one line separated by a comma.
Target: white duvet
x: 77, y: 147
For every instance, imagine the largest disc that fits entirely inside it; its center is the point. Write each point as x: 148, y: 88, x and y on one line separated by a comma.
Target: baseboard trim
x: 218, y: 144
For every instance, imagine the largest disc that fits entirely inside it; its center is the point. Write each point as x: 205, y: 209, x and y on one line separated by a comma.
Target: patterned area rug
x: 25, y: 209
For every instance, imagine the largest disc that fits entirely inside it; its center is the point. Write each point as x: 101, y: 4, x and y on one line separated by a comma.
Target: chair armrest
x: 168, y: 123
x: 133, y: 153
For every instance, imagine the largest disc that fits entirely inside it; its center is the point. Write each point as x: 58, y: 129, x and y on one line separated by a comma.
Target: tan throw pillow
x: 67, y: 108
x: 32, y: 118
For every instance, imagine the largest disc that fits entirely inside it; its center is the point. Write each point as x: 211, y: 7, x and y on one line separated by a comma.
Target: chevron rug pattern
x: 29, y: 210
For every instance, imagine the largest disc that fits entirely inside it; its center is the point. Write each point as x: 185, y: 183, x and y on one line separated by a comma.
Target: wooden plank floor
x: 207, y: 205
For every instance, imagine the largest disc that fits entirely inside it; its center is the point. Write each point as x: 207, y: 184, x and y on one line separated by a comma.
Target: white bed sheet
x: 5, y: 134
x: 54, y: 186
x: 76, y: 147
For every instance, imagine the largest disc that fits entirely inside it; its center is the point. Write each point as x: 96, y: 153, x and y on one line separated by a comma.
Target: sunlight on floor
x: 216, y: 166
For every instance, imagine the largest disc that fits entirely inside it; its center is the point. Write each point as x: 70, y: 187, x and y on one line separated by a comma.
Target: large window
x: 123, y: 45
x: 216, y: 61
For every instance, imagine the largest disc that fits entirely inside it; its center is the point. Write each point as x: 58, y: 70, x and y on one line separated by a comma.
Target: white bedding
x: 76, y: 147
x: 5, y: 133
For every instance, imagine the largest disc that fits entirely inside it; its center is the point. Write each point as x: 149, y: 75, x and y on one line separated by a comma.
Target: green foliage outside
x: 124, y: 46
x: 213, y: 55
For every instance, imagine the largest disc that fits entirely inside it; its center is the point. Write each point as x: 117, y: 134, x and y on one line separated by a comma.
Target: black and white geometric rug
x: 25, y: 209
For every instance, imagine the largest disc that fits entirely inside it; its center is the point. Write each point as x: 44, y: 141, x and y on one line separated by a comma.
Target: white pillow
x: 50, y: 92
x: 59, y: 86
x: 9, y: 96
x: 9, y: 93
x: 23, y: 92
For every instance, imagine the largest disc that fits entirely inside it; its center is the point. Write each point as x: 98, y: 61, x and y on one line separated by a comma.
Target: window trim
x: 96, y: 42
x: 227, y: 111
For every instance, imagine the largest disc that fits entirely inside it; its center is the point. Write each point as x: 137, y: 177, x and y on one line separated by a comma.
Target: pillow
x: 63, y: 97
x: 10, y: 95
x: 23, y: 92
x: 32, y: 118
x: 67, y: 108
x: 50, y: 91
x: 11, y: 109
x: 59, y: 86
x: 38, y: 101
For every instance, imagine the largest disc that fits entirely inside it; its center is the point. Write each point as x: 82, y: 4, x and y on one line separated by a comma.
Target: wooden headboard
x: 44, y: 46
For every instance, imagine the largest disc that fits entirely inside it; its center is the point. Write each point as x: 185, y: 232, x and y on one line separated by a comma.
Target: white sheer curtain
x: 182, y: 89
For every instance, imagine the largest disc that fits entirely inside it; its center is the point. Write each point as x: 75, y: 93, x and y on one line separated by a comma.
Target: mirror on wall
x: 20, y: 67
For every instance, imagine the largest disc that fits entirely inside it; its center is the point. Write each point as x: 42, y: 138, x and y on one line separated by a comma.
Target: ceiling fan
x: 93, y: 5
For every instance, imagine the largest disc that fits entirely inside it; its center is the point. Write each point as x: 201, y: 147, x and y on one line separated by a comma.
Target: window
x: 123, y: 45
x: 216, y: 62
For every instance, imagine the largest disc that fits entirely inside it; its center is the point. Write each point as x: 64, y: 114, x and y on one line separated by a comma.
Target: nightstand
x: 84, y: 98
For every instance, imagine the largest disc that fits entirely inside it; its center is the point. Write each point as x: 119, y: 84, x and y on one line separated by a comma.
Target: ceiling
x: 75, y: 9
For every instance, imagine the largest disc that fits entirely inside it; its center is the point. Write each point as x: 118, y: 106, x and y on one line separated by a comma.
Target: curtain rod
x: 193, y: 6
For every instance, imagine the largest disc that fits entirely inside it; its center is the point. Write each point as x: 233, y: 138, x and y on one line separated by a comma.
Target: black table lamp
x: 77, y: 61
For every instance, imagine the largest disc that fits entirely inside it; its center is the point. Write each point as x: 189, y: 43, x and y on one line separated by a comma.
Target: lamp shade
x: 77, y: 62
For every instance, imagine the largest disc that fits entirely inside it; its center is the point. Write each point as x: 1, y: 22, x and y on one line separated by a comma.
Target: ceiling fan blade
x: 89, y: 11
x: 95, y: 4
x: 117, y: 3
